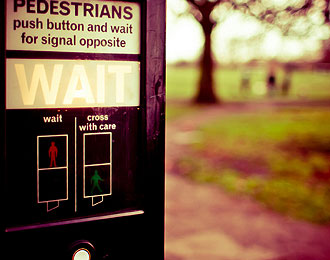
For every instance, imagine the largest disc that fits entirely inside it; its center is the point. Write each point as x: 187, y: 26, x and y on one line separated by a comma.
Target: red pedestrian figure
x: 52, y: 153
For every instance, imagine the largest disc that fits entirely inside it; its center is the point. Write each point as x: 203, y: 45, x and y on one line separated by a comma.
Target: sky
x: 237, y: 38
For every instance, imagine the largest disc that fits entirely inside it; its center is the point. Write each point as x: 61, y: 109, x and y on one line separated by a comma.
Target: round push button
x: 81, y: 254
x: 82, y: 250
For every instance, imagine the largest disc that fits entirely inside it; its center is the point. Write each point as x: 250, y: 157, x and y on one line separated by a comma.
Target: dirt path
x: 204, y: 223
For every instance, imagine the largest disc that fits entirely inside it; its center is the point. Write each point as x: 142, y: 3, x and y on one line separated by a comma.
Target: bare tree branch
x: 302, y: 10
x: 202, y: 12
x: 204, y: 5
x: 193, y: 3
x: 270, y: 12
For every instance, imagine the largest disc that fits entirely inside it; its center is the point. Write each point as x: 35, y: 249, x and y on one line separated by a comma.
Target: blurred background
x: 248, y: 129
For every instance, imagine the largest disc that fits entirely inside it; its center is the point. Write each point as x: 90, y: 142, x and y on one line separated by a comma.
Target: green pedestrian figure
x: 95, y: 182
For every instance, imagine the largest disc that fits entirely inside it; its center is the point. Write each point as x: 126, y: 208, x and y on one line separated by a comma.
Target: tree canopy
x: 285, y: 15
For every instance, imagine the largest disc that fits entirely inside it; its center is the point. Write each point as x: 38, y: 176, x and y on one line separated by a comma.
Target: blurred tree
x: 202, y: 12
x: 283, y: 14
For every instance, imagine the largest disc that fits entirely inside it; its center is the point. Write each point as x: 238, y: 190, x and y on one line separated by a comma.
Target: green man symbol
x: 95, y: 182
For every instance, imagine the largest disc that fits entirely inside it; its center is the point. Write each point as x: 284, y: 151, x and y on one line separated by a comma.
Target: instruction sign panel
x: 73, y: 26
x: 72, y: 110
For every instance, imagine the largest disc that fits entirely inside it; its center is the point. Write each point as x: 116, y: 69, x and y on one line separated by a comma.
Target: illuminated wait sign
x: 65, y: 83
x: 69, y: 54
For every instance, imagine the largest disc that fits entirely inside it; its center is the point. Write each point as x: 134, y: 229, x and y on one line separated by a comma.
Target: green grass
x: 178, y: 110
x: 181, y: 82
x: 311, y: 85
x: 268, y: 127
x: 278, y: 156
x: 291, y: 146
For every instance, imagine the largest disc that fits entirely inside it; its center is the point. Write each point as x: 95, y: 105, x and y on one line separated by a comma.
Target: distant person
x: 245, y: 82
x: 287, y: 80
x: 271, y: 82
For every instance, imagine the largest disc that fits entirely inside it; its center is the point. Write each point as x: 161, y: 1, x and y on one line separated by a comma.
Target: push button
x: 81, y: 254
x: 82, y: 250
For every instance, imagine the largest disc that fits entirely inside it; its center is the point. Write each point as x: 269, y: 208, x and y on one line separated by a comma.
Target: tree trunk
x: 206, y: 94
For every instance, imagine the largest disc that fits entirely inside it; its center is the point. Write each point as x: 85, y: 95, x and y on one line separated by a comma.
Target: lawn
x: 182, y: 84
x: 279, y: 156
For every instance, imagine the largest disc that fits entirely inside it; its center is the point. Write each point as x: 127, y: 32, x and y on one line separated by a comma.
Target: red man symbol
x: 52, y: 153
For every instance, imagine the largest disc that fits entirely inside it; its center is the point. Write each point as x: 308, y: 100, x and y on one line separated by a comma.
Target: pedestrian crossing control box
x: 83, y: 102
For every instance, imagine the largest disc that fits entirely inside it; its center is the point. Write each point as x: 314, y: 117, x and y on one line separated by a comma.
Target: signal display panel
x: 73, y: 111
